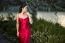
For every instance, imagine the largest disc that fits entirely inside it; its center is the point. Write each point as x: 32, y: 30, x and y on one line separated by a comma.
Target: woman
x: 23, y: 21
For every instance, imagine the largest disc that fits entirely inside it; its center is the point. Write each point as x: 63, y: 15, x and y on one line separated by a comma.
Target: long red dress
x: 24, y: 30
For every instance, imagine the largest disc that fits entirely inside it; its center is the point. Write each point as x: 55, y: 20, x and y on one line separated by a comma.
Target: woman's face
x: 24, y: 9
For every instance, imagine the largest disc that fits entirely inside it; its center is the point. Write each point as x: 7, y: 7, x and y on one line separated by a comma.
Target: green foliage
x: 10, y: 16
x: 42, y: 31
x: 47, y: 32
x: 47, y: 5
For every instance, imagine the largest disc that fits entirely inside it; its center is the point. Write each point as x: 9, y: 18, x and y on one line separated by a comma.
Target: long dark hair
x: 23, y: 4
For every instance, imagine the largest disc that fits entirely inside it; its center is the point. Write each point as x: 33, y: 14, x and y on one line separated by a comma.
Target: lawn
x: 42, y: 31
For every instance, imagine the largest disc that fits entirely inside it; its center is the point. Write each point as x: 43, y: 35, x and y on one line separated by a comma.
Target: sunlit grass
x: 42, y: 31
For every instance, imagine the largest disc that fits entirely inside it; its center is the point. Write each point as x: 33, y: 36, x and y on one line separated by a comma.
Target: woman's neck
x: 23, y: 13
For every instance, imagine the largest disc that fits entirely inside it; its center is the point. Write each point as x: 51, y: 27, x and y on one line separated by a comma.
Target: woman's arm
x: 17, y: 24
x: 30, y: 18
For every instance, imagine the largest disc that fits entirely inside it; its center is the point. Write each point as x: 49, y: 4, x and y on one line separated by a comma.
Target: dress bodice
x: 24, y: 23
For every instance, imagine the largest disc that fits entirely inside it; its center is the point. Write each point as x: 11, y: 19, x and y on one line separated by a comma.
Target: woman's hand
x: 17, y: 34
x: 30, y: 18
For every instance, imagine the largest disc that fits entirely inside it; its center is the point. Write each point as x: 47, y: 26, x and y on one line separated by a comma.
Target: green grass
x: 42, y: 31
x: 47, y: 32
